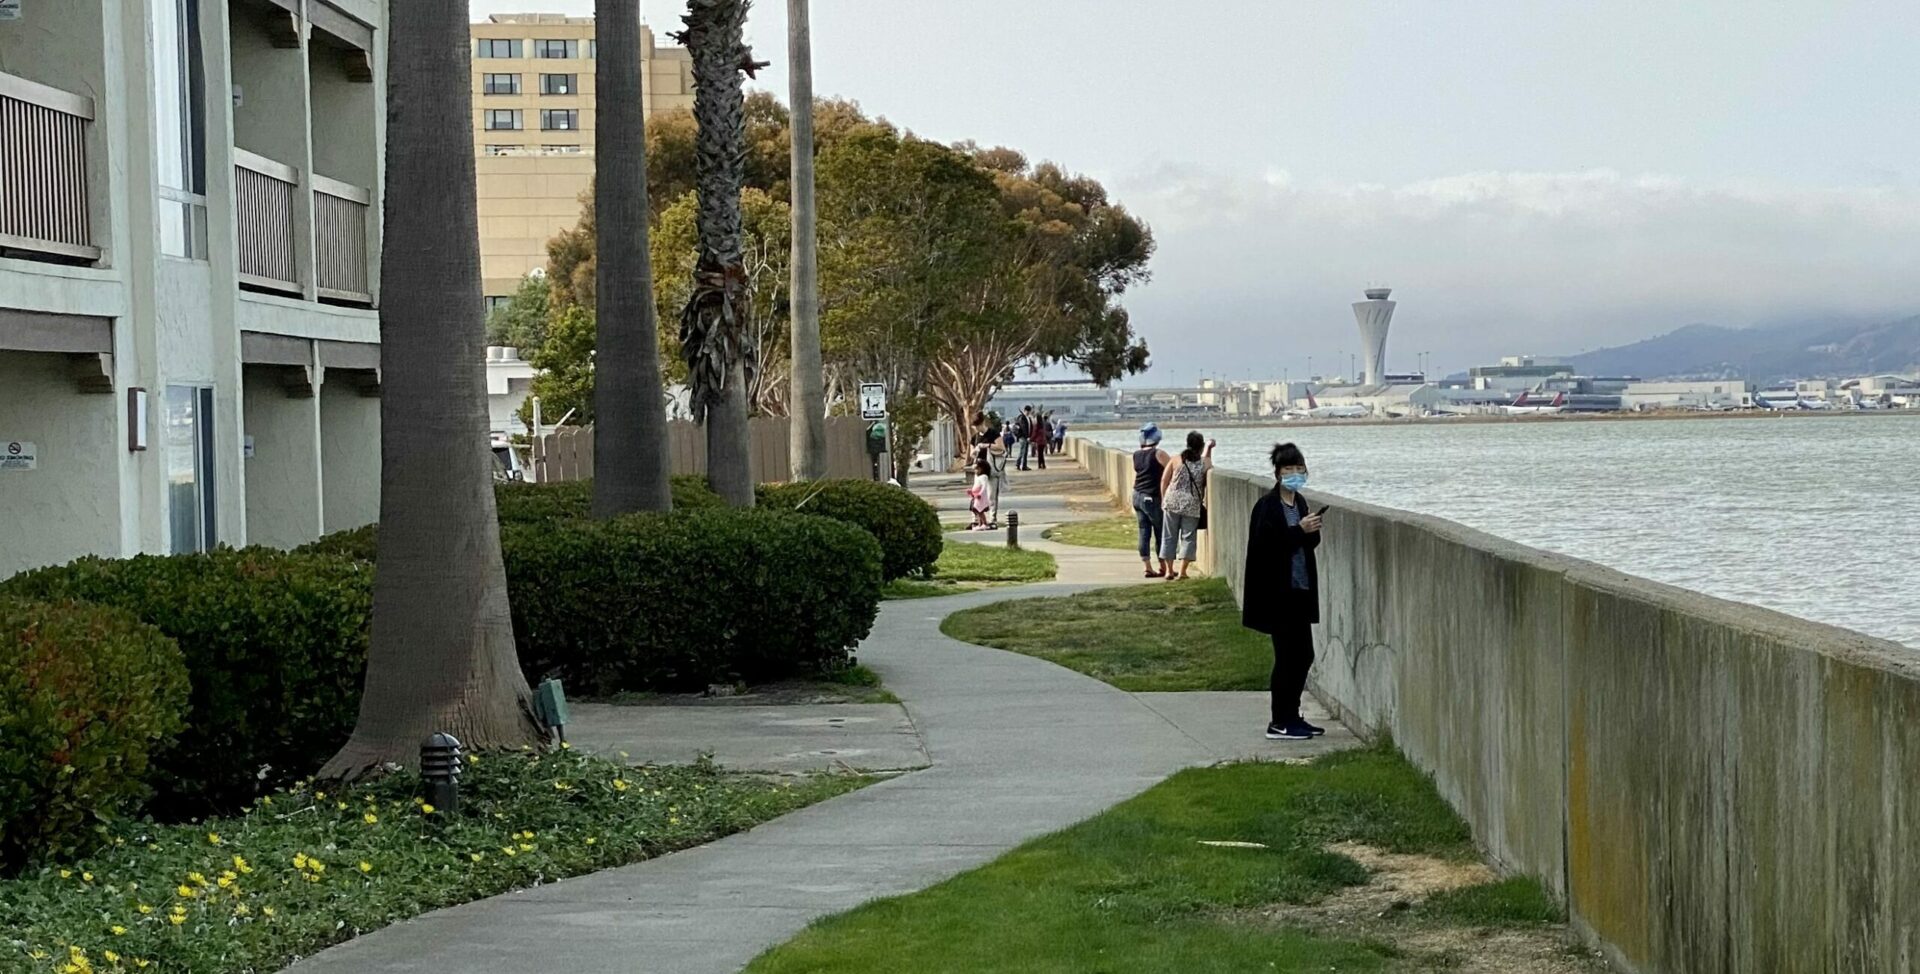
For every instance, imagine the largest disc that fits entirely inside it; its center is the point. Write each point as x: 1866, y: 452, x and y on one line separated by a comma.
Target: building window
x: 560, y: 119
x: 556, y: 49
x: 498, y: 302
x: 189, y: 439
x: 501, y: 150
x: 503, y: 119
x: 593, y: 49
x: 179, y: 79
x: 501, y: 84
x: 491, y: 48
x: 559, y: 84
x: 560, y: 150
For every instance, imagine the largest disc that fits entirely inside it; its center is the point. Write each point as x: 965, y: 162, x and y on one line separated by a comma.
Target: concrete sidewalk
x: 1018, y: 748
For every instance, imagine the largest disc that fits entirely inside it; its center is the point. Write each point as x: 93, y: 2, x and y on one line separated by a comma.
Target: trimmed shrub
x: 87, y: 694
x: 356, y: 543
x: 683, y: 600
x: 275, y: 646
x: 523, y: 503
x: 906, y: 526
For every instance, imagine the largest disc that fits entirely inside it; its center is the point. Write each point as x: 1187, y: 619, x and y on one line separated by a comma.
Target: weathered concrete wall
x: 1711, y: 788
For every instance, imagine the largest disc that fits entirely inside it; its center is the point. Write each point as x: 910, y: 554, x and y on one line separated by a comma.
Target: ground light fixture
x: 440, y: 772
x: 1013, y: 529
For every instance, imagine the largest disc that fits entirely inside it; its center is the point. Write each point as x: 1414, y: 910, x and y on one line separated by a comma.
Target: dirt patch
x: 1382, y: 910
x: 789, y: 693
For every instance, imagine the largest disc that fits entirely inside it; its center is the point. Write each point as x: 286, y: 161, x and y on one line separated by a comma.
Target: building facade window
x: 501, y: 84
x: 190, y: 499
x: 593, y: 49
x: 560, y: 150
x: 498, y: 302
x: 179, y: 82
x: 501, y: 150
x: 560, y: 119
x: 559, y: 84
x: 556, y: 49
x: 503, y: 119
x: 496, y: 48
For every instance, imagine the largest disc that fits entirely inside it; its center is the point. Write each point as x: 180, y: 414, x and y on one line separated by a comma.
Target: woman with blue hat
x: 1149, y: 467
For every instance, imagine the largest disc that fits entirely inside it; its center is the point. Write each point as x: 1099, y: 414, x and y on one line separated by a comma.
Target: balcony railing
x: 43, y: 181
x: 263, y: 202
x: 340, y: 236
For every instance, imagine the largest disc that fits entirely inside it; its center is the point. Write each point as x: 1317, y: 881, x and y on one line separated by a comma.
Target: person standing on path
x: 1183, y: 498
x: 1149, y: 472
x: 1281, y: 591
x: 990, y: 450
x: 1023, y: 435
x: 1042, y: 437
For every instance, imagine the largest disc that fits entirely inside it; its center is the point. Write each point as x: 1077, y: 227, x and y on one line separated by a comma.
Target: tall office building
x: 190, y: 206
x: 1373, y: 316
x: 533, y: 128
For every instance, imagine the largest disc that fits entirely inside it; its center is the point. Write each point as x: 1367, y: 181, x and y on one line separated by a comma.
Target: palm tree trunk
x: 807, y: 408
x: 442, y: 654
x: 714, y: 326
x: 630, y: 417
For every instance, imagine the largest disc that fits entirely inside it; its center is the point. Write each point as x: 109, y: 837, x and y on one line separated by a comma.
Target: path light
x: 440, y: 771
x: 550, y: 705
x: 1013, y: 529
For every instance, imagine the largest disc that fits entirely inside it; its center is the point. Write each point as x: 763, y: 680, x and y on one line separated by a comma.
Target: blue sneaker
x: 1291, y: 732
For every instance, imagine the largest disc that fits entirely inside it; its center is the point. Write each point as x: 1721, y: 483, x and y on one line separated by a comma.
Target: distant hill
x: 1764, y: 354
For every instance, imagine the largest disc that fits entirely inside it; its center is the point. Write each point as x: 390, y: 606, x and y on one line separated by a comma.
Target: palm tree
x: 442, y: 654
x: 807, y: 407
x: 715, y: 325
x: 630, y: 418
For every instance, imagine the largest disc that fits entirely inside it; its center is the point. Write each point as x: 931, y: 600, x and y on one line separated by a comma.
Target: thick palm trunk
x: 714, y: 327
x: 442, y: 654
x: 807, y: 407
x: 630, y: 419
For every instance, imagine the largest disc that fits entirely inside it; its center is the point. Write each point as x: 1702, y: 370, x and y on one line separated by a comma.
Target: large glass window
x: 561, y: 150
x: 189, y: 440
x: 501, y: 84
x: 501, y: 150
x: 556, y: 49
x: 179, y: 133
x: 496, y: 48
x: 559, y: 84
x: 559, y: 119
x: 499, y: 119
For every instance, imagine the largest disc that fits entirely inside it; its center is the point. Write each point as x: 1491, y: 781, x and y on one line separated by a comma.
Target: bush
x: 275, y: 646
x: 522, y: 503
x: 906, y: 526
x: 679, y: 601
x: 356, y: 543
x: 87, y: 693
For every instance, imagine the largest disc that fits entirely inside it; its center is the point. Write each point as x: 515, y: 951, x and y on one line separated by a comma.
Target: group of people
x: 1025, y: 442
x: 1280, y: 589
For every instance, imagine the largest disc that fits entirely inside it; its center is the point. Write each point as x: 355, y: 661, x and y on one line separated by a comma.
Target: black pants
x: 1292, y: 657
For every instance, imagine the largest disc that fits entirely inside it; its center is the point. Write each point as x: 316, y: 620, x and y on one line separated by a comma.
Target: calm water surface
x: 1814, y: 516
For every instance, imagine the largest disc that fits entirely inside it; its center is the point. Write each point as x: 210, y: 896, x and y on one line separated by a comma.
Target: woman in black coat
x: 1281, y: 591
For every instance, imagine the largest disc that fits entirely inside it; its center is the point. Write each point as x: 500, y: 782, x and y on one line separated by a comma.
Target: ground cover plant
x: 964, y: 566
x: 1119, y: 532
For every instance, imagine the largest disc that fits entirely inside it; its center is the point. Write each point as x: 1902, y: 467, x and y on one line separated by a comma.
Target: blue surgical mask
x: 1294, y: 481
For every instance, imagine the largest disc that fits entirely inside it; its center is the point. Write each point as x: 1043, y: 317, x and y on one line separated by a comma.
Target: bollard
x: 440, y: 772
x: 1013, y: 529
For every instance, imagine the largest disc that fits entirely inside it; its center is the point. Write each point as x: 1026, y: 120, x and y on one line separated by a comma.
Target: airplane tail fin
x: 1560, y: 400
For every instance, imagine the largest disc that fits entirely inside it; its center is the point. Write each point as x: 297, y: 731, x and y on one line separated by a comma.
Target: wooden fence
x: 567, y: 453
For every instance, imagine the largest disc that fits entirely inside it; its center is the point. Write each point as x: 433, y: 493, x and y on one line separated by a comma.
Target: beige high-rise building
x: 533, y: 123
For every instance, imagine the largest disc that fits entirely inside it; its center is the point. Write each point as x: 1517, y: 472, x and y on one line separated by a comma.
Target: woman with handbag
x: 1183, y: 492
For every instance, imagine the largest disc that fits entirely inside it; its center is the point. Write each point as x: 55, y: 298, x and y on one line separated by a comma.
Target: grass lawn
x: 1119, y: 532
x: 1158, y: 636
x: 854, y: 684
x: 303, y: 869
x: 1136, y: 889
x: 964, y: 566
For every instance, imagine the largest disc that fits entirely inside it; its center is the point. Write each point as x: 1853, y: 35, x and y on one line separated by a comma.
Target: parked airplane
x: 1762, y: 402
x: 1523, y: 406
x: 1316, y: 411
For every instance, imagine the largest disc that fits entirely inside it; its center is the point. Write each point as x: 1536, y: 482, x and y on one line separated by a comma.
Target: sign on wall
x: 9, y: 9
x: 873, y: 400
x: 18, y: 455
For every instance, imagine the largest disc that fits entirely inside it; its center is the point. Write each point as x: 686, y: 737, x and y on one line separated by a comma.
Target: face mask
x: 1294, y: 481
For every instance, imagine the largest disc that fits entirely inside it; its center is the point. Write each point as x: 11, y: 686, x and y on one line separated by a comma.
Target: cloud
x: 1258, y: 269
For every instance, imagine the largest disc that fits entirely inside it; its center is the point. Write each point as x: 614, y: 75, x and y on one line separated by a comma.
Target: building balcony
x: 44, y: 208
x: 266, y: 193
x: 340, y: 240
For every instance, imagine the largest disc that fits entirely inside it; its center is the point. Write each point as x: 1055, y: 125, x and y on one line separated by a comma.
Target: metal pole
x: 1013, y: 529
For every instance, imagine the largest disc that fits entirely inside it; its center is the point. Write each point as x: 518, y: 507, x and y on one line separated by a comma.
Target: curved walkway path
x: 1019, y: 747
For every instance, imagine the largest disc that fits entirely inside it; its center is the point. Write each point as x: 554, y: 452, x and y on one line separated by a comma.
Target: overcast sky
x: 1531, y: 176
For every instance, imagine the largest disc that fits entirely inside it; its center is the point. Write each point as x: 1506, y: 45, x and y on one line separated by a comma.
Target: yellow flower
x: 473, y: 759
x: 316, y: 865
x: 118, y: 930
x: 267, y: 800
x: 591, y: 840
x: 562, y: 786
x: 66, y: 874
x: 566, y: 745
x: 426, y: 809
x: 141, y: 962
x: 145, y: 909
x: 508, y: 850
x: 242, y: 910
x: 619, y: 784
x: 366, y: 867
x: 187, y: 891
x: 197, y: 879
x: 674, y: 820
x: 224, y: 882
x: 112, y: 958
x: 524, y: 847
x: 475, y: 856
x: 267, y: 910
x: 311, y: 878
x: 370, y: 818
x: 343, y: 806
x: 241, y: 864
x: 37, y: 955
x: 300, y: 860
x: 213, y: 838
x: 319, y: 796
x: 177, y: 918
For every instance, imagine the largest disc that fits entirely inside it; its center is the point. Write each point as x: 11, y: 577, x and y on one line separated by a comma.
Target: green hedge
x: 683, y: 600
x: 87, y: 694
x: 356, y: 543
x: 523, y: 503
x: 275, y: 646
x: 906, y: 526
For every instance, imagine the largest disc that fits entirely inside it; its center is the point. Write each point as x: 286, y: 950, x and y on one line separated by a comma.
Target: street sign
x: 9, y: 9
x: 873, y: 400
x: 18, y: 455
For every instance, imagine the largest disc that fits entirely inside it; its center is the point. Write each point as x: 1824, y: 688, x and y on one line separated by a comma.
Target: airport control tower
x: 1374, y: 314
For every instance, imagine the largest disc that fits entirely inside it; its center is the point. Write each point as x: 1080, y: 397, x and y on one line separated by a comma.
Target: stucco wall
x: 69, y: 505
x: 350, y: 455
x: 283, y: 476
x: 1710, y: 787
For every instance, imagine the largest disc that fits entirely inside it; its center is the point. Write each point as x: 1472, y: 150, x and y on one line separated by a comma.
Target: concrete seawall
x: 1709, y: 787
